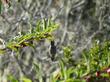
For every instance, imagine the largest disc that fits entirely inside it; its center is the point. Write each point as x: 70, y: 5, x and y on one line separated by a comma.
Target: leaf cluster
x: 43, y: 30
x: 94, y: 60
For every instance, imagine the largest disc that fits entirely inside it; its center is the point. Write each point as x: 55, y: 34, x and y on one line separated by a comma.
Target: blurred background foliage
x: 82, y: 22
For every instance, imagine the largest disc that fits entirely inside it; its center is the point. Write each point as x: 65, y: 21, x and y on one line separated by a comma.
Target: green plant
x: 12, y: 78
x: 42, y: 31
x: 92, y: 63
x: 91, y: 67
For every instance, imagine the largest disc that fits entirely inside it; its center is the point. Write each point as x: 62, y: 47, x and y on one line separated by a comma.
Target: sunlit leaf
x: 12, y: 78
x: 24, y: 79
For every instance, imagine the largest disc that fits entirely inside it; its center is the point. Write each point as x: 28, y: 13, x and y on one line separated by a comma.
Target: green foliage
x: 98, y: 56
x: 12, y: 78
x: 24, y: 79
x: 65, y: 74
x: 92, y: 60
x: 67, y: 59
x: 42, y: 31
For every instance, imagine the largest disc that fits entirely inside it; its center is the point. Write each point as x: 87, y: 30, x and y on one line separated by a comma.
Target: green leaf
x: 37, y: 68
x: 70, y: 71
x: 24, y: 79
x: 44, y: 24
x: 49, y: 22
x: 12, y: 78
x: 38, y: 26
x: 62, y: 67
